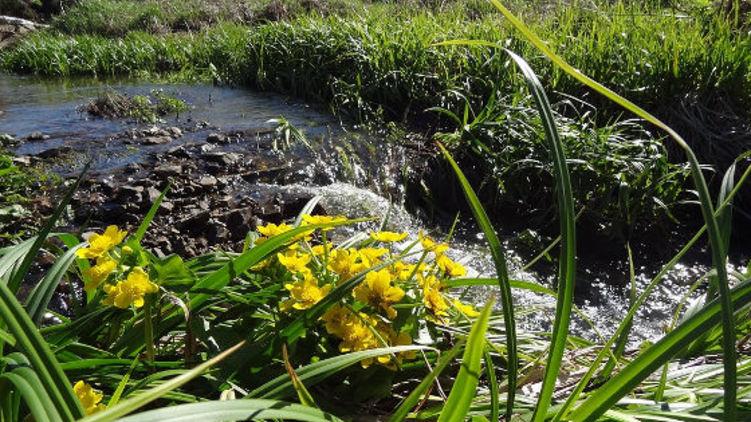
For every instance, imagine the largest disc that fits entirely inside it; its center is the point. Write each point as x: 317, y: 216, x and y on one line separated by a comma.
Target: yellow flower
x: 378, y: 292
x: 357, y: 335
x: 88, y: 398
x: 429, y: 282
x: 434, y: 301
x: 387, y: 332
x: 319, y: 250
x: 451, y: 268
x: 293, y: 262
x: 322, y: 219
x: 467, y: 310
x: 271, y: 230
x: 429, y: 245
x: 99, y: 272
x: 338, y: 318
x: 305, y: 293
x: 388, y: 237
x: 99, y: 244
x: 343, y: 263
x: 369, y: 256
x: 130, y: 291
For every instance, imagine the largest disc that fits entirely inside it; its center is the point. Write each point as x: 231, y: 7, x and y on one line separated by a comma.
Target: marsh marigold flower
x: 130, y: 291
x: 388, y: 237
x: 305, y: 293
x: 95, y: 275
x: 293, y: 262
x: 451, y: 268
x: 378, y: 292
x: 99, y: 244
x: 88, y: 398
x: 322, y: 219
x: 467, y: 310
x: 434, y: 301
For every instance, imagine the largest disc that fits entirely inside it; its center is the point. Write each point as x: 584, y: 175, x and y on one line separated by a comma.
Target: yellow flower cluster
x: 88, y: 398
x: 123, y: 293
x: 392, y: 289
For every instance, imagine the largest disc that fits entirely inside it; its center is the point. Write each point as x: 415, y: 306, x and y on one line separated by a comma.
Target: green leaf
x: 172, y: 271
x: 465, y: 386
x: 150, y: 215
x: 499, y: 259
x: 219, y: 411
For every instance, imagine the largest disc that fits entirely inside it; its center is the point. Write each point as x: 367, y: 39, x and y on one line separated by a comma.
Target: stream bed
x: 220, y: 154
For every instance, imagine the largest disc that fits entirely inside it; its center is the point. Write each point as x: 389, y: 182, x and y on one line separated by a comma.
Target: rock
x: 152, y: 194
x: 175, y: 131
x: 23, y: 160
x: 208, y: 181
x: 13, y: 29
x: 54, y: 152
x: 223, y: 158
x: 157, y: 140
x: 6, y: 139
x: 168, y: 170
x: 216, y: 138
x: 37, y: 136
x: 167, y: 206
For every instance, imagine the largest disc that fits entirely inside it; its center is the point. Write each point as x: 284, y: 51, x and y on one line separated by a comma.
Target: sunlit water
x: 29, y: 105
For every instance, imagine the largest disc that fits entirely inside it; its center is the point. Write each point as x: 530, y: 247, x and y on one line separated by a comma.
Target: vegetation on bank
x: 378, y: 61
x: 294, y: 322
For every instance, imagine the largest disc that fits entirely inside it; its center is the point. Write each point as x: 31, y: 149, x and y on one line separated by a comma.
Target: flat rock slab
x: 13, y: 29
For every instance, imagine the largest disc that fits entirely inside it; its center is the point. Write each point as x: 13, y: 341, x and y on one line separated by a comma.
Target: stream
x: 354, y: 171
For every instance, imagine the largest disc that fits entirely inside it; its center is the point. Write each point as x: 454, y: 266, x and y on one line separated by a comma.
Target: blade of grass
x: 35, y: 348
x: 136, y: 402
x: 411, y: 401
x: 150, y: 214
x: 40, y: 297
x: 707, y: 208
x: 655, y: 356
x: 465, y: 386
x: 499, y: 260
x: 225, y: 410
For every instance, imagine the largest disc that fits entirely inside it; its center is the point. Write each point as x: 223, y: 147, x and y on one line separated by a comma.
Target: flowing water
x: 357, y: 189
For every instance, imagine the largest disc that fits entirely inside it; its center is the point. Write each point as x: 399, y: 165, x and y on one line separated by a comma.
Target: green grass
x: 378, y: 62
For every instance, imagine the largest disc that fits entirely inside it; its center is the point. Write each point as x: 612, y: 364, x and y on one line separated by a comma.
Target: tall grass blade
x: 233, y: 410
x: 499, y: 260
x: 281, y: 386
x: 136, y: 402
x: 713, y: 227
x: 40, y: 297
x: 41, y: 237
x: 151, y: 213
x: 465, y: 386
x: 35, y: 348
x: 650, y: 360
x: 567, y: 217
x: 27, y: 383
x: 411, y: 401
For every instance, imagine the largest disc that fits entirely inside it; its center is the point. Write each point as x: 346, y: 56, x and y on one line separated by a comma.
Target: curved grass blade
x: 499, y: 259
x: 35, y: 348
x: 28, y: 385
x: 40, y: 297
x: 226, y: 410
x: 492, y: 385
x: 302, y: 393
x: 411, y: 401
x: 707, y: 208
x: 281, y: 386
x: 661, y: 352
x: 566, y: 215
x: 133, y: 403
x: 150, y: 214
x: 515, y: 284
x: 465, y: 386
x: 41, y: 237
